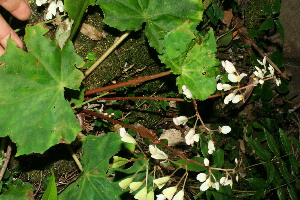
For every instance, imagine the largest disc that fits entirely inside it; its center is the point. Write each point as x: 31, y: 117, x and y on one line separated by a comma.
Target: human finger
x: 1, y: 51
x: 7, y: 31
x: 18, y: 8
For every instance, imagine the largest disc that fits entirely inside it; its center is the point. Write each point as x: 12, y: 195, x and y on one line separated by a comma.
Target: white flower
x: 191, y: 137
x: 277, y: 81
x: 60, y: 6
x: 229, y: 97
x: 169, y: 192
x: 237, y: 98
x: 201, y: 177
x: 263, y: 63
x: 216, y: 185
x: 187, y: 92
x: 125, y: 183
x: 228, y: 66
x: 236, y: 78
x: 156, y: 153
x: 142, y: 194
x: 40, y: 2
x: 271, y: 69
x: 224, y: 129
x: 160, y: 197
x: 179, y: 195
x: 259, y: 73
x: 211, y: 147
x: 160, y: 182
x: 207, y: 184
x: 125, y: 137
x: 236, y: 161
x: 180, y: 120
x: 134, y: 186
x: 237, y: 178
x: 225, y: 181
x: 224, y: 87
x: 206, y: 162
x: 52, y: 9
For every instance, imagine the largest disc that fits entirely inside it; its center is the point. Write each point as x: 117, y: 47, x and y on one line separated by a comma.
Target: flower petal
x: 201, y: 177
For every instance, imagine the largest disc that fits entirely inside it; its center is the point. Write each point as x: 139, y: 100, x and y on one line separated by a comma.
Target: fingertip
x: 2, y: 51
x: 23, y: 12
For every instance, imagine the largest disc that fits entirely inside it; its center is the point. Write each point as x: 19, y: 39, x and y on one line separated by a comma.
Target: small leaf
x: 272, y: 143
x: 259, y: 150
x: 194, y: 62
x: 270, y: 172
x: 51, y: 191
x: 257, y: 183
x: 292, y: 193
x: 266, y: 25
x: 160, y: 16
x: 285, y: 143
x: 93, y: 182
x: 294, y: 164
x: 18, y: 192
x: 218, y: 158
x: 193, y: 166
x: 284, y: 170
x: 119, y: 161
x: 203, y: 145
x: 279, y: 28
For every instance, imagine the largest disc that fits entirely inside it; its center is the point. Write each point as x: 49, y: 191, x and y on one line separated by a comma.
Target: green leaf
x: 279, y: 28
x: 76, y: 10
x: 194, y: 62
x: 257, y: 183
x: 18, y: 192
x: 93, y: 182
x: 266, y: 25
x: 270, y: 172
x: 218, y: 158
x: 284, y: 170
x: 160, y: 16
x: 33, y: 109
x: 51, y: 191
x: 285, y: 143
x: 259, y: 150
x: 119, y: 161
x: 292, y: 193
x: 294, y: 163
x: 272, y: 143
x: 193, y: 166
x: 203, y: 145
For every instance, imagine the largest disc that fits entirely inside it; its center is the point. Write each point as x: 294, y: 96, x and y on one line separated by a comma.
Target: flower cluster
x: 51, y: 11
x: 262, y: 74
x: 234, y: 77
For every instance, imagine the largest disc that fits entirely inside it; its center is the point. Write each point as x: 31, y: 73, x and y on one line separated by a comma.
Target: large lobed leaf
x: 160, y: 16
x: 194, y: 62
x: 93, y: 183
x: 33, y: 110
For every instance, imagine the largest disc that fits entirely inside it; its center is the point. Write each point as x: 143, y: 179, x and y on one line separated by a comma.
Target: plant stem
x: 89, y: 100
x: 135, y: 98
x: 74, y: 157
x: 106, y: 54
x: 7, y: 158
x: 127, y: 83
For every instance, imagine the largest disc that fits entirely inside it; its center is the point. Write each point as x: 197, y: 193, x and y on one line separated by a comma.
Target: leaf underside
x: 33, y: 110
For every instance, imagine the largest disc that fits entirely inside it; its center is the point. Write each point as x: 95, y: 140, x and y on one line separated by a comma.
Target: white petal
x: 160, y: 182
x: 180, y: 120
x: 160, y: 197
x: 52, y: 8
x: 228, y: 66
x: 187, y: 92
x: 219, y: 86
x: 261, y: 81
x: 277, y: 81
x: 204, y: 186
x: 237, y: 98
x: 125, y: 137
x: 156, y: 153
x: 189, y: 138
x: 40, y: 2
x: 271, y: 69
x: 223, y: 180
x: 150, y: 195
x: 60, y: 6
x: 179, y: 195
x: 196, y: 137
x: 135, y: 185
x: 142, y: 194
x: 206, y: 162
x: 225, y: 129
x: 201, y: 177
x: 216, y: 185
x: 229, y: 98
x: 211, y: 147
x: 169, y: 192
x: 125, y: 183
x: 233, y: 78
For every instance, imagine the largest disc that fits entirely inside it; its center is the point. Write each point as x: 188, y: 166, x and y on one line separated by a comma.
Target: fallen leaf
x: 228, y: 16
x: 92, y: 32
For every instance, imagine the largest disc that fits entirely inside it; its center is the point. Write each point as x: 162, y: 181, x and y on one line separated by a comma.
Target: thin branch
x: 7, y: 158
x: 127, y: 83
x: 74, y: 157
x: 136, y: 98
x: 106, y: 54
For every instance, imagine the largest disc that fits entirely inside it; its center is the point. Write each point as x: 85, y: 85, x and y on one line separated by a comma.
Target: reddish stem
x: 145, y: 133
x: 136, y: 98
x: 127, y: 83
